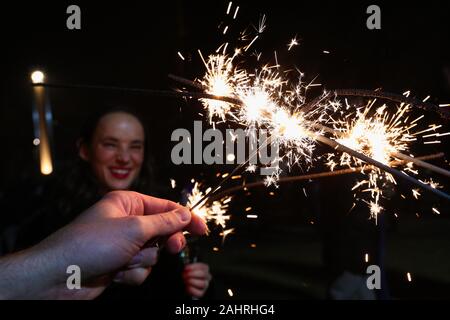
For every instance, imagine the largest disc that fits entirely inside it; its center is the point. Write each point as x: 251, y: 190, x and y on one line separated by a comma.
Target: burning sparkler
x: 267, y: 100
x: 381, y: 136
x: 215, y: 212
x: 220, y: 80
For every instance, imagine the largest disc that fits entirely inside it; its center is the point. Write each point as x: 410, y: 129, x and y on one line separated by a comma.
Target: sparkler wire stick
x: 421, y: 163
x: 346, y: 92
x: 340, y: 147
x: 162, y: 93
x: 393, y: 97
x: 317, y: 175
x: 399, y: 155
x: 187, y: 82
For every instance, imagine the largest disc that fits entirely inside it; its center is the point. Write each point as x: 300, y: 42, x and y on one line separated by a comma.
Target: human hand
x: 196, y: 278
x: 107, y: 242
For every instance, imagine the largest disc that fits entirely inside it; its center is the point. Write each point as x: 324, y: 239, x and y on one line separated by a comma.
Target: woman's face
x: 117, y: 150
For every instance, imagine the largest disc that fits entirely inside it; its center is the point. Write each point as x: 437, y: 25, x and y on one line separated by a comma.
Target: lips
x: 120, y: 173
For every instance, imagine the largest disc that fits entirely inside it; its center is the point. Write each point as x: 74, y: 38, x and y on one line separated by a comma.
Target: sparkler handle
x: 190, y: 254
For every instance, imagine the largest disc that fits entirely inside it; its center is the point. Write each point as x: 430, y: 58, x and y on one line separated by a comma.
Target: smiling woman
x: 113, y: 154
x: 115, y: 151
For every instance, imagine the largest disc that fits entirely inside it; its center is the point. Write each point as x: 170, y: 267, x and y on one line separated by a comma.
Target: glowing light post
x: 42, y: 119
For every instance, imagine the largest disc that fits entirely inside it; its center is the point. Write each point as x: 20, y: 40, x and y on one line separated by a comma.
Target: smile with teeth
x: 120, y: 173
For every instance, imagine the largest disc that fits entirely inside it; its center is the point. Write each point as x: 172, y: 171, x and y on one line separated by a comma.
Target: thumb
x: 166, y: 223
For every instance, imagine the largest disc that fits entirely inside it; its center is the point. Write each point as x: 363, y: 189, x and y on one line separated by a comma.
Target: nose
x: 123, y: 156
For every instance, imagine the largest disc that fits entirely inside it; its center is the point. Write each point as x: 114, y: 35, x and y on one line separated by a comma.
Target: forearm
x: 28, y: 274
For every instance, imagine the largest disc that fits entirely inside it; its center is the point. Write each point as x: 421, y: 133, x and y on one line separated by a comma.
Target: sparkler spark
x: 262, y: 24
x: 215, y: 212
x: 225, y: 233
x: 236, y: 12
x: 431, y: 183
x: 229, y: 7
x: 294, y: 42
x: 436, y: 211
x: 180, y: 55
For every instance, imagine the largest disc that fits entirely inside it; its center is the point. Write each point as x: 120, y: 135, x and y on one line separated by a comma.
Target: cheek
x: 102, y: 157
x: 138, y: 159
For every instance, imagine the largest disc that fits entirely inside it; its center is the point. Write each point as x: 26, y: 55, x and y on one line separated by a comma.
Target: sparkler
x: 286, y: 131
x: 267, y: 101
x: 216, y: 212
x: 289, y: 129
x: 319, y: 175
x: 220, y: 80
x: 259, y: 107
x: 339, y: 147
x: 380, y: 136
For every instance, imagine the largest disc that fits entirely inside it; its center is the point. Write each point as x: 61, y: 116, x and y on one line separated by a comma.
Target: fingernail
x: 184, y: 214
x: 182, y: 243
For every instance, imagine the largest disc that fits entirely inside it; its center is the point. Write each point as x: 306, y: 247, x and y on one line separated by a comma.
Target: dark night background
x: 135, y: 44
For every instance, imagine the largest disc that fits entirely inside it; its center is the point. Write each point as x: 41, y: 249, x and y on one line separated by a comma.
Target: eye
x: 137, y: 147
x: 109, y: 144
